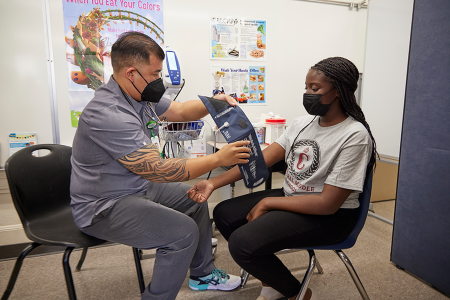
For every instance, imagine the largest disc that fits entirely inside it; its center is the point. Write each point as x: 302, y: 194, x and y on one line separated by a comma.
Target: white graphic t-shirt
x: 336, y: 155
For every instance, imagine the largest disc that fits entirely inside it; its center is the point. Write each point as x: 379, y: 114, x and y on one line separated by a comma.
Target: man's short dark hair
x: 132, y: 48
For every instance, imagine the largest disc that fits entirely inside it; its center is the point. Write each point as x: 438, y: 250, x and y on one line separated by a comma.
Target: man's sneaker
x: 216, y: 280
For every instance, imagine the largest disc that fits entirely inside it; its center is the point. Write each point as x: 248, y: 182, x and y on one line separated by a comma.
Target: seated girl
x: 328, y: 155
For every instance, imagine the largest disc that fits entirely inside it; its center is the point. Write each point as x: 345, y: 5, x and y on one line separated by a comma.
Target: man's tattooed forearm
x: 148, y: 163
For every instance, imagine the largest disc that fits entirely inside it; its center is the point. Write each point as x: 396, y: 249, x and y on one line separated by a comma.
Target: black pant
x: 252, y: 245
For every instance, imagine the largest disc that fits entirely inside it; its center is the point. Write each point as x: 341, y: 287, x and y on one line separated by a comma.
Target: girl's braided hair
x: 344, y: 75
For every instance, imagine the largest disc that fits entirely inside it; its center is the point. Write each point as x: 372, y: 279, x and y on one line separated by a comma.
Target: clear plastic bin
x: 274, y: 129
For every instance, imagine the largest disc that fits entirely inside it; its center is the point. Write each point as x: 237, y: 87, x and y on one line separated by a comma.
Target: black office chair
x: 40, y: 189
x: 349, y: 242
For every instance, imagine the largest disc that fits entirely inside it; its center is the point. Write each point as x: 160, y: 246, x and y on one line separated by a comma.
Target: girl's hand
x: 258, y: 210
x: 201, y: 191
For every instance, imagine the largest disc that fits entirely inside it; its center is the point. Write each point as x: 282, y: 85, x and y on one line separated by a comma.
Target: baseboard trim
x: 388, y: 159
x: 11, y: 227
x: 12, y: 235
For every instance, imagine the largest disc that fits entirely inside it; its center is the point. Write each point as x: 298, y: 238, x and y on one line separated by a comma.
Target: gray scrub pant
x: 167, y: 219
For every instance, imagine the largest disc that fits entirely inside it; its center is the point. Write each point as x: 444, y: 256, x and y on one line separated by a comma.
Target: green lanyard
x: 150, y: 125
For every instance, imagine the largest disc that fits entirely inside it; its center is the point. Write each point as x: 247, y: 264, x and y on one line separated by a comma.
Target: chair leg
x: 16, y: 270
x: 352, y: 272
x: 214, y: 249
x: 213, y: 228
x: 319, y: 267
x: 140, y: 276
x: 308, y: 274
x: 244, y: 274
x: 82, y: 258
x: 68, y: 273
x: 244, y: 277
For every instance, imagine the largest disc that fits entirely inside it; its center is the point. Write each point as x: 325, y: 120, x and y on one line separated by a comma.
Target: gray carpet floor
x: 109, y: 272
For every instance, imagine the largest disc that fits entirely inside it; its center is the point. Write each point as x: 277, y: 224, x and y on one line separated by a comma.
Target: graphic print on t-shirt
x: 304, y: 159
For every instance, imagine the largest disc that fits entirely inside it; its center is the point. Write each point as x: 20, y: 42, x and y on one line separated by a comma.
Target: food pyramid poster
x: 91, y: 27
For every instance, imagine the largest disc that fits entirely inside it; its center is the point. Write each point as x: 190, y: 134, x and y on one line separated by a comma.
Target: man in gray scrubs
x: 121, y: 188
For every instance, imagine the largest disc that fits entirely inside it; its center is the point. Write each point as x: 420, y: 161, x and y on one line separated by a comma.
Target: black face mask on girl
x: 153, y: 91
x: 313, y: 104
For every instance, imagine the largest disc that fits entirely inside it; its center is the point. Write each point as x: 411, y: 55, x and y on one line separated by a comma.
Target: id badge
x: 155, y: 141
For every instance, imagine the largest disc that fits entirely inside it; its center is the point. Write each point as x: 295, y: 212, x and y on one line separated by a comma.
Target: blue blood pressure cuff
x: 239, y: 128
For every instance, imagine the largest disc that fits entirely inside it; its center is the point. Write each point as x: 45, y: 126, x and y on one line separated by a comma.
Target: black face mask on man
x: 313, y: 104
x: 153, y: 91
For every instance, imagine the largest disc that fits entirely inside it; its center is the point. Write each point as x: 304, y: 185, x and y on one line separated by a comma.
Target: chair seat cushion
x: 58, y: 228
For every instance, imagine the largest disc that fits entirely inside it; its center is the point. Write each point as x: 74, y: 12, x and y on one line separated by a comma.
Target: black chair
x: 40, y: 189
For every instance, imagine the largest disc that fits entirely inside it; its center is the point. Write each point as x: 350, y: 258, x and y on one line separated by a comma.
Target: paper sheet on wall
x: 238, y: 39
x: 246, y: 84
x: 197, y: 147
x: 18, y: 141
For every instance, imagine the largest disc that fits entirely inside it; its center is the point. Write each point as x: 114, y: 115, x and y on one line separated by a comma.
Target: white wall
x: 24, y: 93
x: 386, y: 62
x: 299, y: 35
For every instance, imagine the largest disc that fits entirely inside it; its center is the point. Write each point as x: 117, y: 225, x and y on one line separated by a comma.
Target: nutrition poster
x: 246, y: 84
x: 238, y: 39
x: 91, y: 27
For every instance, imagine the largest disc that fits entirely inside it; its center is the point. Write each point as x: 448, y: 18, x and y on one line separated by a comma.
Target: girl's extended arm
x: 326, y: 203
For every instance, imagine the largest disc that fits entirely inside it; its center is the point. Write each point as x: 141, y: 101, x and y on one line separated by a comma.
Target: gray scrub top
x: 109, y: 128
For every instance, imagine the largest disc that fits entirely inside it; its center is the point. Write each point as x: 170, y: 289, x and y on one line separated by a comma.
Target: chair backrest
x: 364, y: 201
x: 39, y: 185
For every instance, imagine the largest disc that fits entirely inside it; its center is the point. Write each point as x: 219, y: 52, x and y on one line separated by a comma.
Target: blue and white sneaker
x: 216, y: 280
